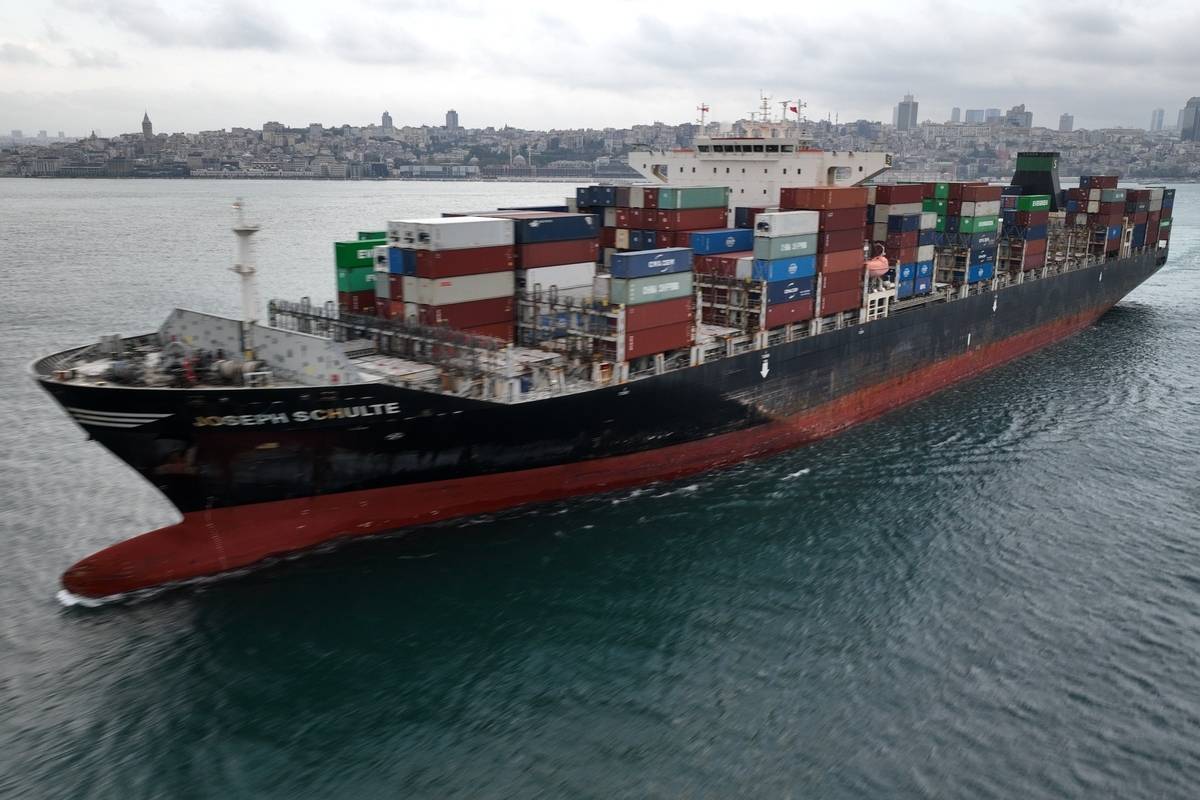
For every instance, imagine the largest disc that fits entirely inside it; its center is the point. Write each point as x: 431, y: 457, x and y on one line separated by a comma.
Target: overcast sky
x: 75, y: 65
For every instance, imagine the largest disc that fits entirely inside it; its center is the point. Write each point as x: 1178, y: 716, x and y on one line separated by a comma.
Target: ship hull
x: 268, y: 484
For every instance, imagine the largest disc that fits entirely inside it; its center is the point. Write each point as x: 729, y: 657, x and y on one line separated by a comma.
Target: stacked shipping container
x: 841, y: 234
x: 1025, y: 225
x: 905, y: 230
x: 653, y: 290
x: 967, y: 233
x: 354, y: 264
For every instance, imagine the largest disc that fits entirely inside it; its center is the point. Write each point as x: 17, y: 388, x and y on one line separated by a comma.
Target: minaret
x: 147, y: 128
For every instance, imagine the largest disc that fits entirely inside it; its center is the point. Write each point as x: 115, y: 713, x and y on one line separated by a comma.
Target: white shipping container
x: 464, y: 289
x: 1093, y: 207
x: 451, y: 233
x: 744, y: 270
x: 564, y: 276
x: 610, y: 217
x: 928, y: 220
x: 622, y: 238
x: 787, y: 223
x: 600, y: 287
x: 1156, y: 204
x: 870, y: 195
x: 1094, y: 194
x: 380, y: 256
x: 636, y: 198
x: 879, y: 232
x: 1156, y: 193
x: 882, y: 212
x: 925, y: 253
x: 988, y: 208
x: 571, y: 205
x: 607, y: 257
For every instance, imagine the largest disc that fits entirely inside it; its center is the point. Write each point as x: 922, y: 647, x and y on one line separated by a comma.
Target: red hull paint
x: 211, y: 542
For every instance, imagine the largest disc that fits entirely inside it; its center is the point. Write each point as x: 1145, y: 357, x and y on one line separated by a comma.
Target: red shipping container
x: 836, y: 302
x: 787, y: 313
x: 981, y: 193
x: 1140, y: 217
x: 650, y: 197
x: 954, y: 207
x: 1112, y: 209
x: 1033, y: 261
x: 1034, y: 246
x: 899, y: 193
x: 357, y: 302
x: 833, y: 282
x: 389, y: 309
x: 840, y: 260
x: 547, y: 254
x: 467, y: 315
x: 623, y: 218
x: 724, y: 264
x: 842, y: 219
x: 471, y: 261
x: 928, y: 190
x: 608, y: 237
x: 637, y: 218
x: 822, y: 198
x: 657, y: 340
x: 497, y: 330
x: 1102, y: 181
x: 1077, y: 194
x: 1033, y: 217
x: 655, y: 315
x: 900, y: 241
x: 687, y: 220
x: 843, y: 240
x: 902, y: 255
x: 395, y: 286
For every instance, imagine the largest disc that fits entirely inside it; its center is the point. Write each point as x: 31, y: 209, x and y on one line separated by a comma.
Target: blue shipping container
x: 1139, y: 235
x: 650, y: 240
x: 1036, y: 231
x: 924, y: 269
x: 784, y: 269
x: 556, y: 229
x: 789, y: 291
x: 1114, y: 232
x: 951, y: 224
x: 922, y: 285
x: 926, y: 237
x: 722, y: 240
x: 401, y: 261
x: 651, y: 262
x: 871, y: 214
x: 905, y: 288
x: 599, y: 196
x: 984, y: 255
x: 978, y: 240
x: 903, y: 223
x: 975, y: 273
x: 1072, y: 206
x: 989, y: 271
x: 907, y: 271
x: 635, y: 240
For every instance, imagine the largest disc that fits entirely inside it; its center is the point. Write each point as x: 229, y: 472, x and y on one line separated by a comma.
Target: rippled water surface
x: 994, y: 593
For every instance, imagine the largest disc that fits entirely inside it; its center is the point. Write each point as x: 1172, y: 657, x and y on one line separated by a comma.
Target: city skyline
x: 76, y: 66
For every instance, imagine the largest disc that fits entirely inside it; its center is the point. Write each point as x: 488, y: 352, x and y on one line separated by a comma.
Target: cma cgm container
x: 532, y: 227
x: 773, y: 247
x: 648, y: 341
x: 651, y: 262
x: 789, y: 291
x: 723, y: 240
x: 784, y: 269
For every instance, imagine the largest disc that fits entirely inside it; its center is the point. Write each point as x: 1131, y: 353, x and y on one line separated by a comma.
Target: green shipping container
x: 1036, y: 164
x: 651, y: 289
x: 977, y: 224
x: 355, y: 254
x: 1166, y: 223
x: 693, y: 197
x: 941, y: 191
x: 1033, y: 202
x: 941, y: 223
x: 785, y: 246
x: 355, y: 279
x: 933, y: 204
x: 364, y: 235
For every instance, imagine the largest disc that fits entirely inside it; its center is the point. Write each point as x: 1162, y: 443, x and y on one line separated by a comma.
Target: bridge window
x: 714, y: 170
x: 727, y: 170
x: 772, y: 148
x: 764, y: 170
x: 785, y: 170
x: 787, y: 148
x: 694, y: 169
x: 703, y: 148
x: 743, y: 170
x: 758, y: 148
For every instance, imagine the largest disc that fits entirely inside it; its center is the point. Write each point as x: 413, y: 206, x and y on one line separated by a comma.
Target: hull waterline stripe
x: 116, y: 415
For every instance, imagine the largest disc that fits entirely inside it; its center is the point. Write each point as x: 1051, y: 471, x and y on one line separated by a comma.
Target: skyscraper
x: 1018, y: 117
x: 955, y: 115
x: 974, y: 116
x: 1156, y: 119
x: 992, y: 114
x: 387, y: 121
x: 147, y: 128
x: 906, y: 114
x: 1066, y: 123
x: 1189, y: 126
x: 452, y: 120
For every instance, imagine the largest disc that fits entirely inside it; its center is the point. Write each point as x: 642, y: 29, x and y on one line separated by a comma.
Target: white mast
x: 243, y: 267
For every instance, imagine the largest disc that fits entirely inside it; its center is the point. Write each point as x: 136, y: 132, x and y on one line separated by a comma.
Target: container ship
x: 743, y: 300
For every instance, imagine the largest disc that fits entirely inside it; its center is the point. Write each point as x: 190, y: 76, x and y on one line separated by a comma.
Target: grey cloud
x: 19, y: 54
x: 384, y: 46
x: 95, y: 58
x: 229, y: 25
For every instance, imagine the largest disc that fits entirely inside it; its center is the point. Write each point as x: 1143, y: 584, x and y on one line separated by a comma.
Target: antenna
x: 766, y: 106
x: 800, y: 106
x: 703, y: 109
x: 783, y: 106
x: 243, y: 267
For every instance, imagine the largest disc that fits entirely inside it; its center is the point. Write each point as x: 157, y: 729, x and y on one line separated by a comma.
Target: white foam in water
x: 797, y: 474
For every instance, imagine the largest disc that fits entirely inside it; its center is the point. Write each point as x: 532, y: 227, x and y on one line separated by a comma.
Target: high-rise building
x: 147, y: 128
x: 1018, y: 117
x: 992, y: 114
x: 387, y: 121
x: 906, y: 114
x: 974, y: 116
x: 1189, y: 125
x: 1156, y: 119
x: 17, y: 134
x: 1066, y: 123
x: 452, y: 120
x: 955, y: 115
x: 62, y: 135
x: 42, y: 134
